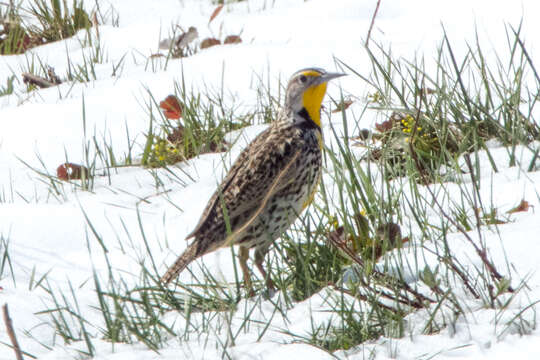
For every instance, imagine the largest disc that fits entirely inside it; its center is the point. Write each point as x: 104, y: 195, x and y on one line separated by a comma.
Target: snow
x: 51, y: 234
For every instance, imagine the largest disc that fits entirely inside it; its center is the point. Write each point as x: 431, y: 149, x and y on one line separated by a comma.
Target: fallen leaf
x: 523, y: 206
x: 343, y: 105
x: 176, y: 136
x: 387, y: 125
x: 232, y: 39
x: 71, y: 171
x: 215, y: 13
x: 384, y: 126
x: 209, y: 42
x: 364, y: 134
x: 171, y: 108
x: 338, y: 236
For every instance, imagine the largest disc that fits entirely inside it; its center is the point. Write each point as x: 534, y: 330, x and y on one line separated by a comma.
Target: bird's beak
x: 328, y: 76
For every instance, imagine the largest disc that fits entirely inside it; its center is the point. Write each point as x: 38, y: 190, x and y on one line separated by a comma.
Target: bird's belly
x: 284, y: 207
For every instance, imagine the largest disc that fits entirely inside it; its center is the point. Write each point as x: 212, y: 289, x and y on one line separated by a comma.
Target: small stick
x: 37, y: 80
x: 481, y: 251
x: 11, y: 333
x: 372, y: 21
x: 389, y: 280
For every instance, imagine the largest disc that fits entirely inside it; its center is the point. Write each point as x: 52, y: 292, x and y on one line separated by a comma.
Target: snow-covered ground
x: 50, y: 234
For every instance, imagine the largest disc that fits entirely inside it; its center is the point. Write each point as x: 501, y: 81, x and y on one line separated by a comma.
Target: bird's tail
x: 180, y: 264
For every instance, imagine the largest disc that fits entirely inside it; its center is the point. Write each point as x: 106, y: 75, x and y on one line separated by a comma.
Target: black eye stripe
x: 303, y: 78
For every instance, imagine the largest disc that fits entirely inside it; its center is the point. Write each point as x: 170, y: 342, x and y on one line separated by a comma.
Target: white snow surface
x: 51, y: 235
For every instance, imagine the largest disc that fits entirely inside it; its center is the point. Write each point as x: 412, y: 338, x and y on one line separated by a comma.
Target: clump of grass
x: 454, y: 111
x: 57, y: 21
x: 310, y: 264
x: 14, y: 36
x: 354, y: 323
x: 8, y: 88
x: 67, y: 318
x: 403, y: 131
x: 44, y: 21
x: 204, y: 122
x: 109, y: 16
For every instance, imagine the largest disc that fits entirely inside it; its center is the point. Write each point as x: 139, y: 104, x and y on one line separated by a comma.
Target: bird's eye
x: 303, y: 79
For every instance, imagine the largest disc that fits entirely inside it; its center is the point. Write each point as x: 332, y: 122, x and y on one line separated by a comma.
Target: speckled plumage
x: 268, y: 186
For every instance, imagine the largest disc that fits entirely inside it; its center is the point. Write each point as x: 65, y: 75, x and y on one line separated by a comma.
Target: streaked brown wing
x: 254, y: 176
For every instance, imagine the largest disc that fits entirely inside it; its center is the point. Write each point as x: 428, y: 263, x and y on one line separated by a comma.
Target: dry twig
x: 385, y: 280
x: 11, y: 333
x: 481, y: 252
x: 41, y: 82
x: 36, y: 80
x: 372, y: 22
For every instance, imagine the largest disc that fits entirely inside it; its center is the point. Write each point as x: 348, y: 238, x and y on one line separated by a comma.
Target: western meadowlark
x: 269, y: 184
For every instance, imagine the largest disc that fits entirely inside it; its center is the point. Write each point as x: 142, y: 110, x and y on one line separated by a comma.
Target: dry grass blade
x: 372, y: 21
x: 215, y: 13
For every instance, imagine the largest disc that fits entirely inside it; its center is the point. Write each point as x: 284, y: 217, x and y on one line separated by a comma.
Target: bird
x: 180, y: 42
x: 183, y: 40
x: 269, y: 184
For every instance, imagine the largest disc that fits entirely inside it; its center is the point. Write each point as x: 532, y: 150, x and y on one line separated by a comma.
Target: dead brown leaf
x: 523, y: 206
x: 232, y: 39
x: 384, y: 126
x: 393, y: 121
x: 177, y: 134
x: 171, y: 107
x: 209, y: 42
x: 71, y: 171
x: 343, y: 105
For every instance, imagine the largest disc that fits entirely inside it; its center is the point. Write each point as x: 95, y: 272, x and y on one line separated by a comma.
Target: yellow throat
x: 312, y: 100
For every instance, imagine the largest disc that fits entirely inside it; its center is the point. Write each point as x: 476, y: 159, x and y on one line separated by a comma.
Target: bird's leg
x: 243, y: 256
x: 260, y: 253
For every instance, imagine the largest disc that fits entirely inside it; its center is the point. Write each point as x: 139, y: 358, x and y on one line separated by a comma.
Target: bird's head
x: 305, y: 92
